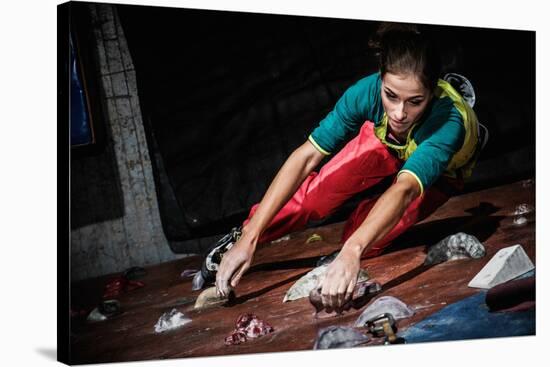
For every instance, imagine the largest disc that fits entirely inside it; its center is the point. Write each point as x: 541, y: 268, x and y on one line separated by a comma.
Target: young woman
x: 411, y: 125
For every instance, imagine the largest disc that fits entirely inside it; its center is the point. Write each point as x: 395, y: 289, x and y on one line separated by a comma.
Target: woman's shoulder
x: 366, y: 89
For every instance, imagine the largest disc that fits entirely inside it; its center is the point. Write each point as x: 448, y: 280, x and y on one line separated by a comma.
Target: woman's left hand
x: 339, y: 281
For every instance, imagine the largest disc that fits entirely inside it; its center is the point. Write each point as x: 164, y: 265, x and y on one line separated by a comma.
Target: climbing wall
x: 134, y: 238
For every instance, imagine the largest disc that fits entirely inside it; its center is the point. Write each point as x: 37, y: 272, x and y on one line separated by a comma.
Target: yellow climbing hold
x: 314, y: 238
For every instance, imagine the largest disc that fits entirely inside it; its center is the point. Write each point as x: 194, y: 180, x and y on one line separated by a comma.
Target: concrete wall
x: 134, y: 237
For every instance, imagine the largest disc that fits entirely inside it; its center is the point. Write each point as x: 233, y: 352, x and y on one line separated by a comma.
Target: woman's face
x: 404, y: 98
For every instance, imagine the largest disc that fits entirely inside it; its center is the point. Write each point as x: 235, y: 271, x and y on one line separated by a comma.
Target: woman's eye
x: 391, y: 96
x: 415, y: 103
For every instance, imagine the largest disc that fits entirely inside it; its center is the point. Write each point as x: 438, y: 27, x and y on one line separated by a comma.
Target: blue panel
x: 470, y: 319
x: 80, y: 122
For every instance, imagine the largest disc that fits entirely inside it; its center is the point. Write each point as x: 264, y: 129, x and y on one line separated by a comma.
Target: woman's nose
x: 400, y: 113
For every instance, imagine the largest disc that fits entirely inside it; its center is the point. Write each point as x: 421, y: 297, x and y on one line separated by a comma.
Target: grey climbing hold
x: 339, y: 337
x: 308, y: 282
x: 109, y: 307
x: 456, y: 246
x: 105, y: 310
x: 386, y: 304
x: 198, y: 282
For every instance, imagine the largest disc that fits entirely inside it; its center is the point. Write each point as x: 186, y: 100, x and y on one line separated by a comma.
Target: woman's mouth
x: 398, y: 122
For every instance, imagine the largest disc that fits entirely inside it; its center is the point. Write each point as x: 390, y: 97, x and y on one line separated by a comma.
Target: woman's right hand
x: 235, y: 262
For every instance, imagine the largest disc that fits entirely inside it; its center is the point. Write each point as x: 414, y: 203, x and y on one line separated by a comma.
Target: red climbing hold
x: 248, y: 326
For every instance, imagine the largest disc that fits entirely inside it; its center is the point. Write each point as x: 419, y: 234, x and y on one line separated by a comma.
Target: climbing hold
x: 361, y: 293
x: 308, y: 282
x: 284, y: 238
x: 120, y: 284
x: 314, y: 238
x: 386, y: 304
x: 339, y: 337
x: 210, y: 298
x: 110, y: 308
x: 519, y: 221
x: 456, y: 246
x: 523, y: 209
x: 325, y: 260
x: 171, y: 320
x: 507, y: 264
x: 104, y: 311
x: 96, y: 316
x: 198, y: 281
x: 248, y: 326
x: 188, y: 273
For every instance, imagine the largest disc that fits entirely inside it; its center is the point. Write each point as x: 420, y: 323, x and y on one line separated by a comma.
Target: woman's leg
x: 362, y: 163
x: 419, y: 209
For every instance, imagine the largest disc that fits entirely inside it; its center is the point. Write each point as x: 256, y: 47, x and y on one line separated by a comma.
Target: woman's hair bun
x: 390, y: 30
x: 401, y: 48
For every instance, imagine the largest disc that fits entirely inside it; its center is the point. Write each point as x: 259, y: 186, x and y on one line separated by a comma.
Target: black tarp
x: 227, y: 96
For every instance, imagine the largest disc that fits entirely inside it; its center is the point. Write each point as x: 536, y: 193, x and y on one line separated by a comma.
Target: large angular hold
x: 507, y: 264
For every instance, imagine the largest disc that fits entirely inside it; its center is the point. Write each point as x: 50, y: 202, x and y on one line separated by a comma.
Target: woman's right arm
x: 291, y: 175
x: 289, y: 178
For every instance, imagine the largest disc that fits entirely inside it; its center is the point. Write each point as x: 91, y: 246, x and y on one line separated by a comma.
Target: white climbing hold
x: 284, y: 238
x: 519, y: 221
x: 507, y: 264
x: 524, y: 209
x: 171, y: 320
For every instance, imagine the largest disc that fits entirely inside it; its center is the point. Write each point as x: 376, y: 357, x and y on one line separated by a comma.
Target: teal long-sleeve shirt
x: 443, y: 141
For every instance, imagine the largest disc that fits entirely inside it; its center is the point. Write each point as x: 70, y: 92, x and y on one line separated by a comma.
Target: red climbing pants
x: 361, y: 164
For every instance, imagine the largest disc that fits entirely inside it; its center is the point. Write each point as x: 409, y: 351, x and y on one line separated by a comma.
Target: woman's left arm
x: 341, y: 275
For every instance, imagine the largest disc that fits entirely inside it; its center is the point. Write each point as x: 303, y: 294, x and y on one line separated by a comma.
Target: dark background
x: 227, y: 96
